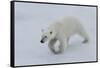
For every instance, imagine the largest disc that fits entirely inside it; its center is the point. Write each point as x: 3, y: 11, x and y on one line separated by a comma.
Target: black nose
x: 42, y: 41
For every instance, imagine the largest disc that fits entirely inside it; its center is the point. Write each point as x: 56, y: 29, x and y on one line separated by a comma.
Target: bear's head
x: 48, y: 35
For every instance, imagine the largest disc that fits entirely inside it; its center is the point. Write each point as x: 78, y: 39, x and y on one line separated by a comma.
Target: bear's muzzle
x: 42, y: 41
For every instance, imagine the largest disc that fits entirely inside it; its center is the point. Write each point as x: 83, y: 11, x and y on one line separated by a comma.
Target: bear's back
x: 66, y: 25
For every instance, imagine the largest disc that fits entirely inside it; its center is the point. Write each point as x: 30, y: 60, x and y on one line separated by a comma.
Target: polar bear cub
x: 61, y: 31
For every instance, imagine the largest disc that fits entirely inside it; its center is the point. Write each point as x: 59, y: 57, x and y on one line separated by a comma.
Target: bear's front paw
x: 56, y: 52
x: 85, y: 41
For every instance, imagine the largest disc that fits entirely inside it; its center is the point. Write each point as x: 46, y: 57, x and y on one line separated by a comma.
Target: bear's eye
x: 45, y: 36
x: 50, y: 32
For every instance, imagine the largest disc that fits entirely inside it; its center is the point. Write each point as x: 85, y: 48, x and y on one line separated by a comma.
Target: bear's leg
x: 84, y: 35
x: 51, y: 45
x: 63, y: 45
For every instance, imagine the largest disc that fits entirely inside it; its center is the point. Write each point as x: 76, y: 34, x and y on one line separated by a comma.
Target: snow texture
x: 30, y: 18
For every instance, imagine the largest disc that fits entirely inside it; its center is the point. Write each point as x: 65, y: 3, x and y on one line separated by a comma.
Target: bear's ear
x: 42, y: 30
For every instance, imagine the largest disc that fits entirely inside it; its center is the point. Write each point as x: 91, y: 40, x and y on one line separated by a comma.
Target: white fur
x: 62, y: 30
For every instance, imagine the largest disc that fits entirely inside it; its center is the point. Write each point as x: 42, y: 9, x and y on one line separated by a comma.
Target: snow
x: 30, y: 18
